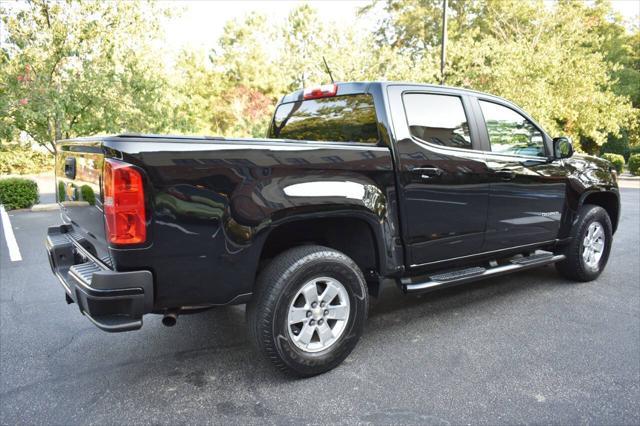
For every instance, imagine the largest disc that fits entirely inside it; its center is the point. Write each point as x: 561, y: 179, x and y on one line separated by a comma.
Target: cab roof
x: 358, y: 87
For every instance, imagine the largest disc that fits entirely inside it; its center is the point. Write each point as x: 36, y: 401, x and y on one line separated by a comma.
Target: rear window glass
x: 349, y: 118
x: 437, y: 119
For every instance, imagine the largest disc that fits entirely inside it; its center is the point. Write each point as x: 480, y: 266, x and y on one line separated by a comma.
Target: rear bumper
x: 113, y: 301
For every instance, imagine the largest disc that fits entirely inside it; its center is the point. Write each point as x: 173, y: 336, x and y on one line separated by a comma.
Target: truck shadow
x: 392, y: 300
x: 212, y: 349
x: 226, y: 333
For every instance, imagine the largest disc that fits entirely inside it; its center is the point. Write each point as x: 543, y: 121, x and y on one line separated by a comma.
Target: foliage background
x: 78, y: 68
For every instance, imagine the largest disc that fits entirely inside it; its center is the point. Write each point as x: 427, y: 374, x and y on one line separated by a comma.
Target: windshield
x: 349, y: 118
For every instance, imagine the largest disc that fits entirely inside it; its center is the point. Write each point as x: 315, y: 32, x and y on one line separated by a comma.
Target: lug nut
x: 326, y: 312
x: 312, y: 322
x: 309, y: 314
x: 314, y: 305
x: 320, y: 322
x: 322, y: 305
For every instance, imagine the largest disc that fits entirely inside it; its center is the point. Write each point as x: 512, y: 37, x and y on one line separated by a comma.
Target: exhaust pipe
x: 170, y: 318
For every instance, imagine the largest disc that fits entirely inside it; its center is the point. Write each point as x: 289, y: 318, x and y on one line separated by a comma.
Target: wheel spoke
x: 325, y: 333
x: 297, y: 315
x: 306, y: 334
x: 329, y: 293
x: 585, y: 253
x: 598, y: 232
x: 338, y: 312
x: 310, y: 293
x: 598, y: 246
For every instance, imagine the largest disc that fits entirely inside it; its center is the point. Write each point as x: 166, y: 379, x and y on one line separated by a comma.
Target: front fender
x: 587, y: 177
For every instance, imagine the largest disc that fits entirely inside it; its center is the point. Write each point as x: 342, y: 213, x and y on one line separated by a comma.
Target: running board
x: 446, y: 279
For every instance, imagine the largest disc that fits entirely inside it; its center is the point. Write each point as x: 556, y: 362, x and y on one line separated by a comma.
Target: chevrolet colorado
x: 359, y: 184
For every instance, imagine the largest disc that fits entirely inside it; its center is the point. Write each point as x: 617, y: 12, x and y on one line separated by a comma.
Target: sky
x: 200, y: 23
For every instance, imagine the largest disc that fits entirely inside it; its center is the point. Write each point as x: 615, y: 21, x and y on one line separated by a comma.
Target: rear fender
x: 313, y: 201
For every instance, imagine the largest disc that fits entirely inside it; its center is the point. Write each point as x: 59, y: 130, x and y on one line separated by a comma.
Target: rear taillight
x: 324, y: 91
x: 124, y: 203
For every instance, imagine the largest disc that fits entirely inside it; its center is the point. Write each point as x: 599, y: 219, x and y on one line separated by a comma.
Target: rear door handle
x: 428, y: 172
x: 506, y: 174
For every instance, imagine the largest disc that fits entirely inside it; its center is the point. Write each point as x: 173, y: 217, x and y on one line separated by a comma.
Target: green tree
x: 79, y: 68
x: 247, y: 55
x: 196, y: 88
x: 548, y: 58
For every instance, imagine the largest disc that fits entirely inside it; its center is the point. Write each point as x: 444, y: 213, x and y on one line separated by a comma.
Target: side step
x: 461, y: 276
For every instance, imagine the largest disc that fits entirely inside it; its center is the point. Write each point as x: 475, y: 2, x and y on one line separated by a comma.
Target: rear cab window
x: 346, y: 118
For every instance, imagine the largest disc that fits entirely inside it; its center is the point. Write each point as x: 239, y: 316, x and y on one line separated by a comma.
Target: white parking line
x: 14, y: 250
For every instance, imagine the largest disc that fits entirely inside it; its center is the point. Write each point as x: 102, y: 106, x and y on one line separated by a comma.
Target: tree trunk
x: 51, y: 147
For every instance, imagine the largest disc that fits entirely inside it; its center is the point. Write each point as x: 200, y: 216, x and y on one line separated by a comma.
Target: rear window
x: 349, y: 118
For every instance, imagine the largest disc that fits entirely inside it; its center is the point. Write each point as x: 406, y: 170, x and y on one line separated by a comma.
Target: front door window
x: 511, y: 133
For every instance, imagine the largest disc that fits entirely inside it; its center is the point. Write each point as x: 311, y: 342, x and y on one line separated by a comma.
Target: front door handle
x: 506, y: 174
x: 428, y: 172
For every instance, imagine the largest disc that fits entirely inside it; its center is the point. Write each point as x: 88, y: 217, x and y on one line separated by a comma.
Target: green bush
x: 18, y: 193
x: 617, y: 145
x: 87, y: 194
x: 20, y: 160
x: 616, y: 159
x: 62, y: 191
x: 634, y: 164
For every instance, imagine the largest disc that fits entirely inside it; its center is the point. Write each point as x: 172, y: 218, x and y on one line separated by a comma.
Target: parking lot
x: 526, y: 348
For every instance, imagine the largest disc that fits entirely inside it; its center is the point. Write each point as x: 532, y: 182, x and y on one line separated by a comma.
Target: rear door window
x: 437, y: 119
x: 350, y: 118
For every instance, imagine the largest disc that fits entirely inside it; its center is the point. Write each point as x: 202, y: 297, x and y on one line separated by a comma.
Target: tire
x: 591, y: 218
x: 279, y: 299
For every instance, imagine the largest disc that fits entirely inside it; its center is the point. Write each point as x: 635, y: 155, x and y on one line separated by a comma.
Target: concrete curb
x: 628, y: 177
x: 45, y: 207
x: 56, y: 206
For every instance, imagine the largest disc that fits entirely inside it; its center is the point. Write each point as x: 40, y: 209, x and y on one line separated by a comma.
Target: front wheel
x: 309, y: 309
x: 588, y: 252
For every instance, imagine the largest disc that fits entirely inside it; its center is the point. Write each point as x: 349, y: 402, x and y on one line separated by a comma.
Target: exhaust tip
x: 170, y: 318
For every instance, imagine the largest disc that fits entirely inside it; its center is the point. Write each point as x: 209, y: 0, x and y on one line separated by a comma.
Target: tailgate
x: 79, y: 166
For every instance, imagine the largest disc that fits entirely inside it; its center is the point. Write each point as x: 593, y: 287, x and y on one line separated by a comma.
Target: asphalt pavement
x: 528, y: 348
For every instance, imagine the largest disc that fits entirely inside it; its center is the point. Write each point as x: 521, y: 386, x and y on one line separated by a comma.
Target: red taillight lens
x: 324, y: 91
x: 124, y: 203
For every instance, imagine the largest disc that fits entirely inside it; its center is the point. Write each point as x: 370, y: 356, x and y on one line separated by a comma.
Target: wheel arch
x: 608, y: 200
x: 359, y: 236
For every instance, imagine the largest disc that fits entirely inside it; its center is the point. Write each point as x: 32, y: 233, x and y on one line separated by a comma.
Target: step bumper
x: 113, y: 301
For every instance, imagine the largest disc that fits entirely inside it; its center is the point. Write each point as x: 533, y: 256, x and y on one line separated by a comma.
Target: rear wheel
x: 588, y: 252
x: 309, y: 309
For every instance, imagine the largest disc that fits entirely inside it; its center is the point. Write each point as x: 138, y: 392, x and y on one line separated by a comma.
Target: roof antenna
x: 328, y: 70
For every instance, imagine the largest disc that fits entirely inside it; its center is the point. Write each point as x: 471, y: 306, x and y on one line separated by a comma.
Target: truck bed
x: 211, y: 202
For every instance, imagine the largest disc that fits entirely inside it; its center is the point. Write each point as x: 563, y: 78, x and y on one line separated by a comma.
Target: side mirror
x: 562, y: 147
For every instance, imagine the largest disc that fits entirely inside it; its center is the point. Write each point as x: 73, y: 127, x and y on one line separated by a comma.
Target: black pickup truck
x: 359, y: 184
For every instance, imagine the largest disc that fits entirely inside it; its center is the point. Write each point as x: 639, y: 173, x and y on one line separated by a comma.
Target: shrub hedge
x: 18, y: 193
x: 62, y: 191
x: 634, y: 164
x: 616, y: 159
x: 87, y: 194
x: 617, y: 145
